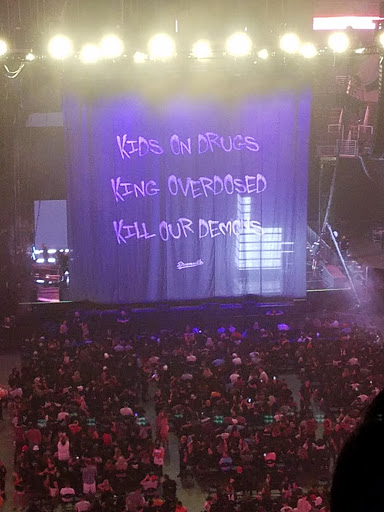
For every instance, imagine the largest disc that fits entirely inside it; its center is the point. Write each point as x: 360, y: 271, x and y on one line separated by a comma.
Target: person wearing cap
x: 67, y: 493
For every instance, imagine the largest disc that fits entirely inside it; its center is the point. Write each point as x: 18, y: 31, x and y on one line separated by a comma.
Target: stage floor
x: 315, y: 282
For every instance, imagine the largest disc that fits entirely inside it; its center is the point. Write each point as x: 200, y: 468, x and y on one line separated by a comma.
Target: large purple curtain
x: 187, y: 199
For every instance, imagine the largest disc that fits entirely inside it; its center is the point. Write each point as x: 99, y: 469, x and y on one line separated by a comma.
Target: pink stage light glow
x: 343, y: 22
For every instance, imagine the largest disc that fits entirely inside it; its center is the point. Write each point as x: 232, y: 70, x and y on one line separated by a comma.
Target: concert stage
x: 186, y: 196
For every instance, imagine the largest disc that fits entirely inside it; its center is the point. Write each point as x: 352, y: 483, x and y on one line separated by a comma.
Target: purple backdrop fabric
x: 187, y: 199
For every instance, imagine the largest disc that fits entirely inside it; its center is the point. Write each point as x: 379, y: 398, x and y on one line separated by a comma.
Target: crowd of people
x: 83, y: 439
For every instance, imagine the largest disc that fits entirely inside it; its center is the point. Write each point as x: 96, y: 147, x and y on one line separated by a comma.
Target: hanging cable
x: 364, y: 167
x: 346, y: 269
x: 13, y: 74
x: 330, y: 198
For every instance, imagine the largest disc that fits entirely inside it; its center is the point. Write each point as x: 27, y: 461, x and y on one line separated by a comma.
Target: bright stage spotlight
x: 111, y: 47
x: 3, y: 47
x: 161, y: 47
x: 308, y: 50
x: 30, y: 57
x: 338, y: 42
x: 60, y: 47
x: 381, y: 39
x: 202, y: 50
x: 239, y: 44
x: 140, y: 57
x: 263, y: 54
x: 290, y: 43
x: 90, y: 54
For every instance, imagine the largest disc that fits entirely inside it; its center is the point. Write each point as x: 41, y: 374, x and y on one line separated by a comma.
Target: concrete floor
x: 193, y: 498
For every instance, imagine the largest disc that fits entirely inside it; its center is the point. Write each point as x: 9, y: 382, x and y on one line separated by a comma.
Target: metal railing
x: 348, y: 148
x: 329, y: 151
x: 343, y: 148
x: 364, y: 129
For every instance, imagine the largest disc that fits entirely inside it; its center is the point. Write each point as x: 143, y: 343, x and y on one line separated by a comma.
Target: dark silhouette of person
x: 358, y: 480
x: 45, y: 253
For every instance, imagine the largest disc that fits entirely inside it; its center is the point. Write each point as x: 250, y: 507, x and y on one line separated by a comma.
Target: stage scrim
x: 187, y: 199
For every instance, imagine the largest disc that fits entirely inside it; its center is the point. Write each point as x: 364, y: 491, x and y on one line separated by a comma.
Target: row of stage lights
x: 162, y: 47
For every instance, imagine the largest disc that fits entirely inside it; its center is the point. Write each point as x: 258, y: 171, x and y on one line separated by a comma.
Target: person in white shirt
x: 62, y: 415
x: 158, y: 457
x: 236, y: 360
x: 126, y: 411
x: 67, y: 494
x: 303, y: 505
x: 63, y: 449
